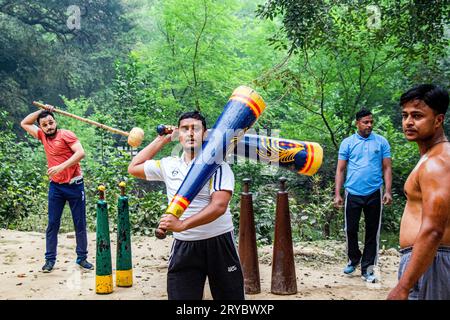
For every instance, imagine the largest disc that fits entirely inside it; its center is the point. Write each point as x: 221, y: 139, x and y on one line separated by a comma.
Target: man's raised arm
x: 136, y: 166
x: 28, y: 123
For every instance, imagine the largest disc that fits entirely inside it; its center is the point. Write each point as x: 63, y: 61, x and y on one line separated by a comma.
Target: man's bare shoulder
x: 437, y: 164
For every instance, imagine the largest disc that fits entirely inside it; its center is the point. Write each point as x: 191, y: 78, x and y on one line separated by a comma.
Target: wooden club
x: 135, y: 136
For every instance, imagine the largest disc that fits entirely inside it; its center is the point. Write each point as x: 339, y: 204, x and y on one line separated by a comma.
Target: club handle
x: 92, y: 122
x: 160, y: 233
x: 163, y: 130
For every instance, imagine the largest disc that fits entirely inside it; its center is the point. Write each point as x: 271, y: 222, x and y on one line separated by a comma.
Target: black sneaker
x: 48, y: 266
x: 85, y: 264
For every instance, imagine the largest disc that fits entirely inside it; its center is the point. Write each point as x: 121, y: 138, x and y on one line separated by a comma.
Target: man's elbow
x: 221, y: 208
x: 132, y: 170
x: 79, y: 154
x: 23, y: 124
x: 435, y: 233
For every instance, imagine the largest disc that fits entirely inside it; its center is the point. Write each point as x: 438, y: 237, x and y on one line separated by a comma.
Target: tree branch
x: 194, y: 60
x: 322, y: 113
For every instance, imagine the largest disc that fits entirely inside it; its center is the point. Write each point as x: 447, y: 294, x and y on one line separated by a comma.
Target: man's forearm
x: 31, y: 118
x: 207, y: 215
x: 388, y: 179
x: 149, y: 151
x: 74, y: 159
x: 339, y: 181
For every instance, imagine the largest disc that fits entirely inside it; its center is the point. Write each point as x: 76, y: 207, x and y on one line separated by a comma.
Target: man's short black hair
x: 44, y: 114
x: 362, y: 113
x: 434, y: 96
x: 193, y: 115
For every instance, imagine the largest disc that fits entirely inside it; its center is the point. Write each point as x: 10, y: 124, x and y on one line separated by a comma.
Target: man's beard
x: 193, y: 149
x: 365, y: 133
x: 50, y: 135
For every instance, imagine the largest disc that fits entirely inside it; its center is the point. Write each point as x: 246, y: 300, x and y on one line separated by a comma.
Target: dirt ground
x: 318, y: 270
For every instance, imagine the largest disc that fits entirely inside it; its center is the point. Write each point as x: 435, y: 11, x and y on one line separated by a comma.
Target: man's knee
x: 352, y: 230
x: 53, y: 225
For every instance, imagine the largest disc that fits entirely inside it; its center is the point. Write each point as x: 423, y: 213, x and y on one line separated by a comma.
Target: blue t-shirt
x: 364, y: 158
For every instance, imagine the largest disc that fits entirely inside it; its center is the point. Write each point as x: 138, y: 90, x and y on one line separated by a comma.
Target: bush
x: 316, y: 218
x: 23, y: 186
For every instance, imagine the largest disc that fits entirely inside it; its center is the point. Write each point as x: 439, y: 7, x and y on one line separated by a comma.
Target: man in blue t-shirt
x: 367, y: 158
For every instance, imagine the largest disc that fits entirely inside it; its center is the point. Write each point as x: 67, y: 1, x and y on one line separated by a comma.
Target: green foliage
x: 23, y: 186
x: 324, y: 23
x: 339, y: 59
x: 48, y: 49
x: 146, y: 211
x: 203, y: 50
x: 317, y: 218
x: 393, y: 212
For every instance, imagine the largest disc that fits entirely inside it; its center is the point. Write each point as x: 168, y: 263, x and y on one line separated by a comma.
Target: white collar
x: 183, y: 161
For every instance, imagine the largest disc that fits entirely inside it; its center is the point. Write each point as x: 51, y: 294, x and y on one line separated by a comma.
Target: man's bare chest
x: 412, y: 187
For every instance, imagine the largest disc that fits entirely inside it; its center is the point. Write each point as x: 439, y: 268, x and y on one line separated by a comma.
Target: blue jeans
x: 58, y: 194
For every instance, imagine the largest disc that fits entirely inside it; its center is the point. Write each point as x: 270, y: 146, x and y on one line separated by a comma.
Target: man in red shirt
x: 64, y: 152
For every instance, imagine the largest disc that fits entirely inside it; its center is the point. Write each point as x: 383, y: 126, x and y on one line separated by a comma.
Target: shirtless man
x: 424, y: 271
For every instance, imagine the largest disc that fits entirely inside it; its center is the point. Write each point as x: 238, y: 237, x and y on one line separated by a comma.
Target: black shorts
x: 191, y: 262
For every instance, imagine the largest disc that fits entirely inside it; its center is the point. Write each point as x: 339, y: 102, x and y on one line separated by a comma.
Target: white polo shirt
x: 172, y: 171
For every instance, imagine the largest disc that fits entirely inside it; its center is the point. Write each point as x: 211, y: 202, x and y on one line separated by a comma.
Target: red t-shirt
x: 57, y: 149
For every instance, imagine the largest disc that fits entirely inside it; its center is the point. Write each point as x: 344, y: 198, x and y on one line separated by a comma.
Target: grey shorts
x: 434, y: 284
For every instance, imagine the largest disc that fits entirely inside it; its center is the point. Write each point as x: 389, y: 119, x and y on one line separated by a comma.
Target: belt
x: 440, y: 249
x: 75, y: 180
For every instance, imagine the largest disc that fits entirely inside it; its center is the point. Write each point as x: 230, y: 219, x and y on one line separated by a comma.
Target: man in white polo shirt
x: 204, y: 241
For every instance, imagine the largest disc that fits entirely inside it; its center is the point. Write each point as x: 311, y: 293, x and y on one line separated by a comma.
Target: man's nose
x: 409, y: 121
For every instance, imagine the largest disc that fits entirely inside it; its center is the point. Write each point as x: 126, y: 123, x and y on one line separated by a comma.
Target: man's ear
x: 205, y: 135
x: 440, y: 120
